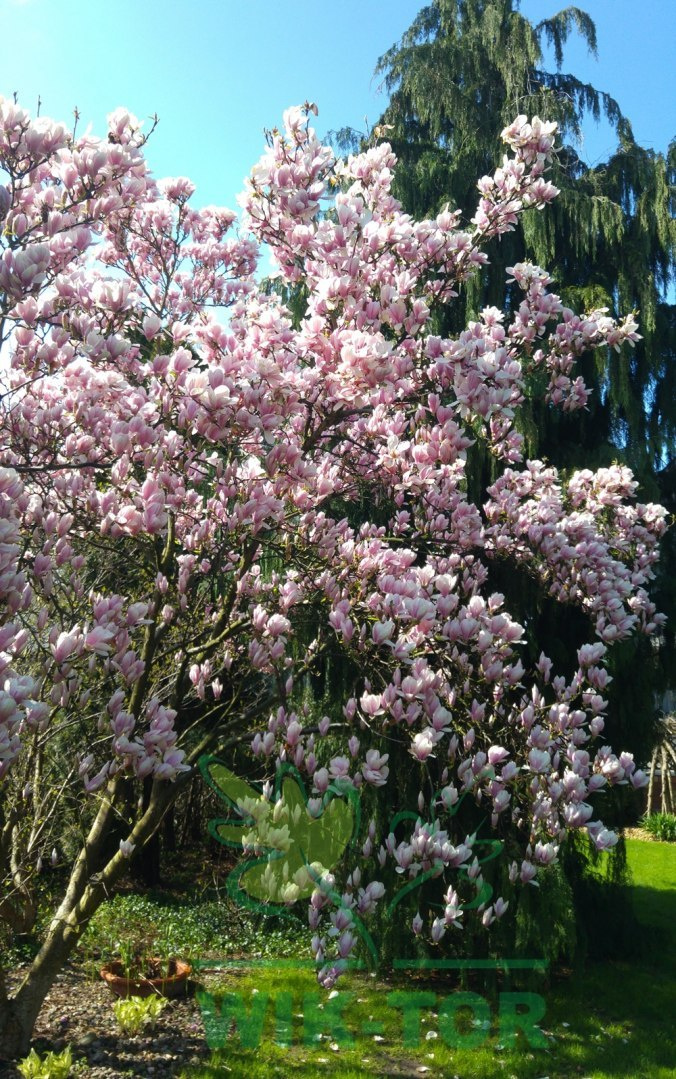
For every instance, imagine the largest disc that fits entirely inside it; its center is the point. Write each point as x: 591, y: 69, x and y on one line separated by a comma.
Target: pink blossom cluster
x: 177, y: 460
x: 584, y: 542
x: 17, y: 710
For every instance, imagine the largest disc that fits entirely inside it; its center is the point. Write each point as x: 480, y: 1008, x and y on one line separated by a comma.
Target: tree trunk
x: 15, y: 1033
x: 145, y: 869
x: 192, y: 830
x: 19, y: 1012
x: 651, y: 784
x: 169, y: 831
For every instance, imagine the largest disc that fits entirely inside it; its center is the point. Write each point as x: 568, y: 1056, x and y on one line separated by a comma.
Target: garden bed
x: 79, y: 1013
x: 606, y: 1021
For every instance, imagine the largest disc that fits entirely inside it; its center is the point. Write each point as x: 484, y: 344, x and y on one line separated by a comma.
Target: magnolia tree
x: 175, y: 449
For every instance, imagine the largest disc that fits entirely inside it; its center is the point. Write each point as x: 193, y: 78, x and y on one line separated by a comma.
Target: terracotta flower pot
x: 172, y: 984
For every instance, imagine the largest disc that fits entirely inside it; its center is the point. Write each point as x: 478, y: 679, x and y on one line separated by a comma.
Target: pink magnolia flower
x: 375, y: 770
x: 67, y: 644
x: 423, y: 744
x: 339, y: 767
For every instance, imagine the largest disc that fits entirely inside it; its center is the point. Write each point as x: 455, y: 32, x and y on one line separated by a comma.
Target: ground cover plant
x: 212, y: 498
x: 169, y: 925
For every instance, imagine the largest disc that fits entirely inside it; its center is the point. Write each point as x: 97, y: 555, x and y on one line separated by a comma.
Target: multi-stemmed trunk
x: 90, y: 883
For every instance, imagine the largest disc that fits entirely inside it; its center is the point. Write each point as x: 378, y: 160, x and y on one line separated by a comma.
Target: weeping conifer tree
x: 462, y: 72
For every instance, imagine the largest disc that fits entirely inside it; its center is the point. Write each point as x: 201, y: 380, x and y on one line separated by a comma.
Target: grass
x: 653, y: 867
x: 611, y: 1020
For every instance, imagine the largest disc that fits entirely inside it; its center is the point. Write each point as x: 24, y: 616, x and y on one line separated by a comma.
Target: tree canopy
x: 204, y: 498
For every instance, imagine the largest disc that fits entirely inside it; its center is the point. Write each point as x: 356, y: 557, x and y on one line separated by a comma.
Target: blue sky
x: 217, y: 72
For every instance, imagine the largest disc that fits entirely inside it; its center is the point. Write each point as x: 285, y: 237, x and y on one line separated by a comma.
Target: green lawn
x: 613, y: 1019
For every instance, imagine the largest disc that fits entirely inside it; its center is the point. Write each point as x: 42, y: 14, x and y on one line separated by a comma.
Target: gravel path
x: 79, y: 1013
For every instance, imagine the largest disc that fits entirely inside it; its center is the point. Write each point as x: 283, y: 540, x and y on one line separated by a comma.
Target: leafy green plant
x: 163, y: 927
x: 136, y: 1012
x: 128, y: 956
x: 51, y: 1066
x: 661, y: 826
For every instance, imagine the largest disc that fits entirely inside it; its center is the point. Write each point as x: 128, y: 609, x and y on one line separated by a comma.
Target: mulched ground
x: 79, y: 1013
x: 639, y: 833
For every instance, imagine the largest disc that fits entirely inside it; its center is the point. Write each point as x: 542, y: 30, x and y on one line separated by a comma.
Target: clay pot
x: 173, y: 984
